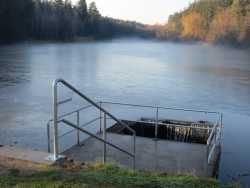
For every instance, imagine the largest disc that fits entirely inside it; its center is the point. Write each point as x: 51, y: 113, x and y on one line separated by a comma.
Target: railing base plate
x: 52, y: 158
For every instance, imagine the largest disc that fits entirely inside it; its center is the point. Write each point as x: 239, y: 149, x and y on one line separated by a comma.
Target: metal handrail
x: 161, y: 107
x: 132, y: 105
x: 218, y: 114
x: 100, y: 139
x: 92, y: 103
x: 56, y: 118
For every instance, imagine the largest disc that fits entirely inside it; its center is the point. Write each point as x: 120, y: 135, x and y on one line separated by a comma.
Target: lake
x: 147, y: 72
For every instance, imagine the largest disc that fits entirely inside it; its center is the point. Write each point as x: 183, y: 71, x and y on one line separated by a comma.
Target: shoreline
x: 94, y: 39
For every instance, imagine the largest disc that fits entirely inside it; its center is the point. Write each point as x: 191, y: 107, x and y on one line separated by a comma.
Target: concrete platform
x: 159, y: 156
x: 39, y: 157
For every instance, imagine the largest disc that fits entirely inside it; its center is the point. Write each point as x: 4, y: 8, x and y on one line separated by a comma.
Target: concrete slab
x: 40, y: 157
x: 159, y: 156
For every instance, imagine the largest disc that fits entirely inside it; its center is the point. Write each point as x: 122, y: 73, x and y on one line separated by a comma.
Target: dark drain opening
x: 167, y: 130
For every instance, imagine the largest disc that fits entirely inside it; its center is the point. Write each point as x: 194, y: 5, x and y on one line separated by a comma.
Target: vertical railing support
x: 100, y: 130
x: 134, y: 150
x: 104, y: 137
x: 78, y: 124
x: 221, y: 127
x: 156, y: 123
x: 48, y: 136
x: 55, y: 114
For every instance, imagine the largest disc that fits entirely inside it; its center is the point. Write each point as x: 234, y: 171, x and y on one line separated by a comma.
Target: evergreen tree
x: 57, y: 20
x: 59, y: 4
x: 16, y: 19
x: 93, y: 11
x: 94, y: 18
x: 82, y: 10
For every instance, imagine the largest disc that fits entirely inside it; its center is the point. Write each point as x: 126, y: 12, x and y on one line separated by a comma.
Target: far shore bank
x: 99, y: 39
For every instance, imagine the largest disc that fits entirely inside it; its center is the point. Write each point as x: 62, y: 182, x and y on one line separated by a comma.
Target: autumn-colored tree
x: 193, y: 26
x: 224, y: 29
x: 172, y: 29
x: 212, y: 21
x: 244, y: 36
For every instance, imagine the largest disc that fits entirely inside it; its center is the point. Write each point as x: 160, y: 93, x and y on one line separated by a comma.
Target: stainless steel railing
x: 216, y: 132
x: 96, y: 137
x: 57, y: 119
x: 219, y: 116
x: 211, y: 142
x: 160, y: 107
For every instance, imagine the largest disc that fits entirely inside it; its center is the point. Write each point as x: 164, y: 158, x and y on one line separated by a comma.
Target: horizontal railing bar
x: 96, y: 137
x: 90, y: 122
x: 70, y: 113
x: 93, y: 103
x: 84, y: 125
x: 160, y: 107
x: 64, y: 101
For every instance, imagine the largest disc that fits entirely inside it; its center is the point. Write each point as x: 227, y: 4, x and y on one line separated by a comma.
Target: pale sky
x: 144, y: 11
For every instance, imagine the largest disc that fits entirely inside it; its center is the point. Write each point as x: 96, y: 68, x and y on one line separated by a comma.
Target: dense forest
x: 59, y: 20
x: 216, y: 21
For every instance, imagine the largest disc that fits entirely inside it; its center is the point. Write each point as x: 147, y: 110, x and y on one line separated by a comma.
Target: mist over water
x: 198, y: 76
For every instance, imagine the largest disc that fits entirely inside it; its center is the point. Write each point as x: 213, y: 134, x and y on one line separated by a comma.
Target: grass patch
x: 102, y: 176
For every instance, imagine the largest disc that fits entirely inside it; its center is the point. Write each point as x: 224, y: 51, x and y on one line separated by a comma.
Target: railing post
x: 100, y: 117
x: 134, y: 150
x: 78, y: 124
x: 55, y: 114
x: 104, y: 137
x: 221, y: 127
x: 207, y: 152
x: 48, y: 137
x: 156, y: 123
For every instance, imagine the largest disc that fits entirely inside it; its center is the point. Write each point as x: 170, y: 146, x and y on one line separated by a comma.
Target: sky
x: 144, y: 11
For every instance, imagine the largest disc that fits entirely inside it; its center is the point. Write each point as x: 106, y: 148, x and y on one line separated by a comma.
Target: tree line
x: 59, y: 20
x: 216, y: 21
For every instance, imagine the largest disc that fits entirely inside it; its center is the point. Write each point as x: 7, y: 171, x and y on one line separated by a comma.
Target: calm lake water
x: 130, y: 71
